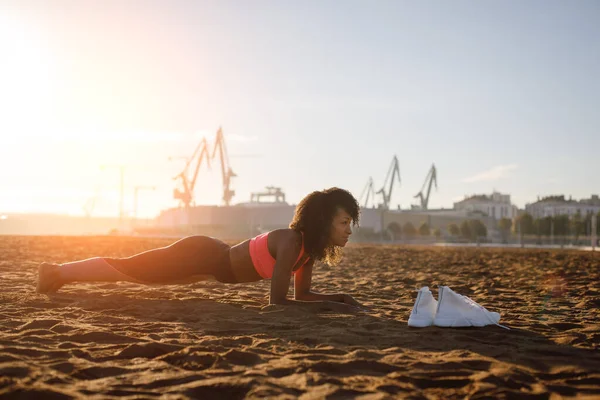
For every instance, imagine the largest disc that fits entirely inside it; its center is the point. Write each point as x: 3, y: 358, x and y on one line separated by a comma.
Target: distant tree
x: 395, y: 229
x: 577, y: 225
x: 424, y: 229
x: 409, y: 229
x: 561, y: 225
x: 504, y: 226
x: 454, y: 229
x: 465, y: 230
x: 437, y: 232
x: 543, y: 226
x: 587, y: 224
x: 598, y: 224
x: 524, y: 224
x: 478, y: 228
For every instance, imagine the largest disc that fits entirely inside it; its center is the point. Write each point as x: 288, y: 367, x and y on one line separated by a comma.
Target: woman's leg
x: 193, y: 257
x: 52, y: 277
x: 95, y: 269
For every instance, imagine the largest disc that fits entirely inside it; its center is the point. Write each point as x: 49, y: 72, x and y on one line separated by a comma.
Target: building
x: 496, y: 205
x: 241, y: 220
x: 557, y: 205
x: 231, y: 222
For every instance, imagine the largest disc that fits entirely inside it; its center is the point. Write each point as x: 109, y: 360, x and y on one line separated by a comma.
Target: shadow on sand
x: 205, y: 318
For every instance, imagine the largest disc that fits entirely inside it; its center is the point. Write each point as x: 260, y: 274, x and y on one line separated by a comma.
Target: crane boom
x: 203, y: 154
x: 226, y: 171
x: 429, y: 180
x: 369, y: 191
x: 393, y: 171
x: 187, y: 195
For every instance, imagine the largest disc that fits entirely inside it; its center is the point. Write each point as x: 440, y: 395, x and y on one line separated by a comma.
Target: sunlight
x: 25, y: 77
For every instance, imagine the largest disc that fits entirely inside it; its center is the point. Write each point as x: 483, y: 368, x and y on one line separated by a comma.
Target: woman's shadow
x: 219, y: 324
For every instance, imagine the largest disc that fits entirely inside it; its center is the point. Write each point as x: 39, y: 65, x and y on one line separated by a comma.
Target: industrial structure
x: 226, y: 171
x: 226, y: 220
x: 391, y: 177
x: 274, y: 193
x: 431, y: 178
x: 496, y: 205
x: 188, y: 183
x: 90, y: 203
x: 393, y: 171
x: 201, y: 153
x: 269, y: 210
x: 367, y: 193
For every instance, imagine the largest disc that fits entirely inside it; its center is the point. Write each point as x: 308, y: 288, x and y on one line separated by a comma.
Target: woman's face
x: 341, y: 228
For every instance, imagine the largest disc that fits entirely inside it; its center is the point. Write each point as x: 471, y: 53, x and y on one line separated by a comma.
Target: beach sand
x: 210, y: 340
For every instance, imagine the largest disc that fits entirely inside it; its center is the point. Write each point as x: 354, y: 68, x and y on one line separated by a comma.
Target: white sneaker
x: 455, y: 310
x: 424, y: 309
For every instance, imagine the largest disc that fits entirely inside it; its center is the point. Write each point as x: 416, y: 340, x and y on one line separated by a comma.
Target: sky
x: 499, y: 95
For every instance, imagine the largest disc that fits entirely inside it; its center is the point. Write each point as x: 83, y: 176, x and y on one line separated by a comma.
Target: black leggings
x: 192, y: 255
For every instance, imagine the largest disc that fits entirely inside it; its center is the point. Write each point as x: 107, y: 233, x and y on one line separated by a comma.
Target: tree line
x: 470, y: 229
x: 558, y: 225
x: 525, y: 224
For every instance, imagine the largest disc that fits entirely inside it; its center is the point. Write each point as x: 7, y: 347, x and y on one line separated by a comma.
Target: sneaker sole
x: 452, y: 322
x: 419, y: 322
x: 459, y: 322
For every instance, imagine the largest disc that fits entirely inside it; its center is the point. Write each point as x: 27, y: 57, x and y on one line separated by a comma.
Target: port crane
x: 90, y: 203
x: 186, y: 196
x: 226, y: 171
x: 369, y: 191
x: 272, y: 192
x: 393, y: 171
x: 429, y: 179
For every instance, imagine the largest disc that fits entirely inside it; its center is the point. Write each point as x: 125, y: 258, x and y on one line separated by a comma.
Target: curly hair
x: 314, y: 216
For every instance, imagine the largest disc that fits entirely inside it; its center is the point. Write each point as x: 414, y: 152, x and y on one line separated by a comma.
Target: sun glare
x: 25, y: 77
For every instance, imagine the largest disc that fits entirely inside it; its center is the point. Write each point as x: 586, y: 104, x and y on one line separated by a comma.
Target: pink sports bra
x: 263, y: 261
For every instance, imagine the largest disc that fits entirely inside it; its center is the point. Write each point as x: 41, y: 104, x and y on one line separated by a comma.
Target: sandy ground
x: 209, y: 340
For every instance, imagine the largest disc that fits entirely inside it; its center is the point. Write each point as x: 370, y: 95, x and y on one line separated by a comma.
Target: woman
x: 320, y: 228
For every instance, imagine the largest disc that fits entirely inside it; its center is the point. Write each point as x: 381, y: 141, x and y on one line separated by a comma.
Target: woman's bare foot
x: 49, y: 279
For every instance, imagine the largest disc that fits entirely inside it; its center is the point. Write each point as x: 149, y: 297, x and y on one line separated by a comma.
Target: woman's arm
x: 303, y: 281
x: 287, y: 252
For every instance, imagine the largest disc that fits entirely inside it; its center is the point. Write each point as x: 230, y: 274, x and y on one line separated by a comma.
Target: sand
x: 210, y: 340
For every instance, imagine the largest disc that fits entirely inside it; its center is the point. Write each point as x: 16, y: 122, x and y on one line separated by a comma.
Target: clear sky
x: 499, y: 95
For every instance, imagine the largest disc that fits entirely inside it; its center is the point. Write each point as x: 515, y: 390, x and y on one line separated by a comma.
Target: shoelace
x: 414, y: 310
x: 472, y: 303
